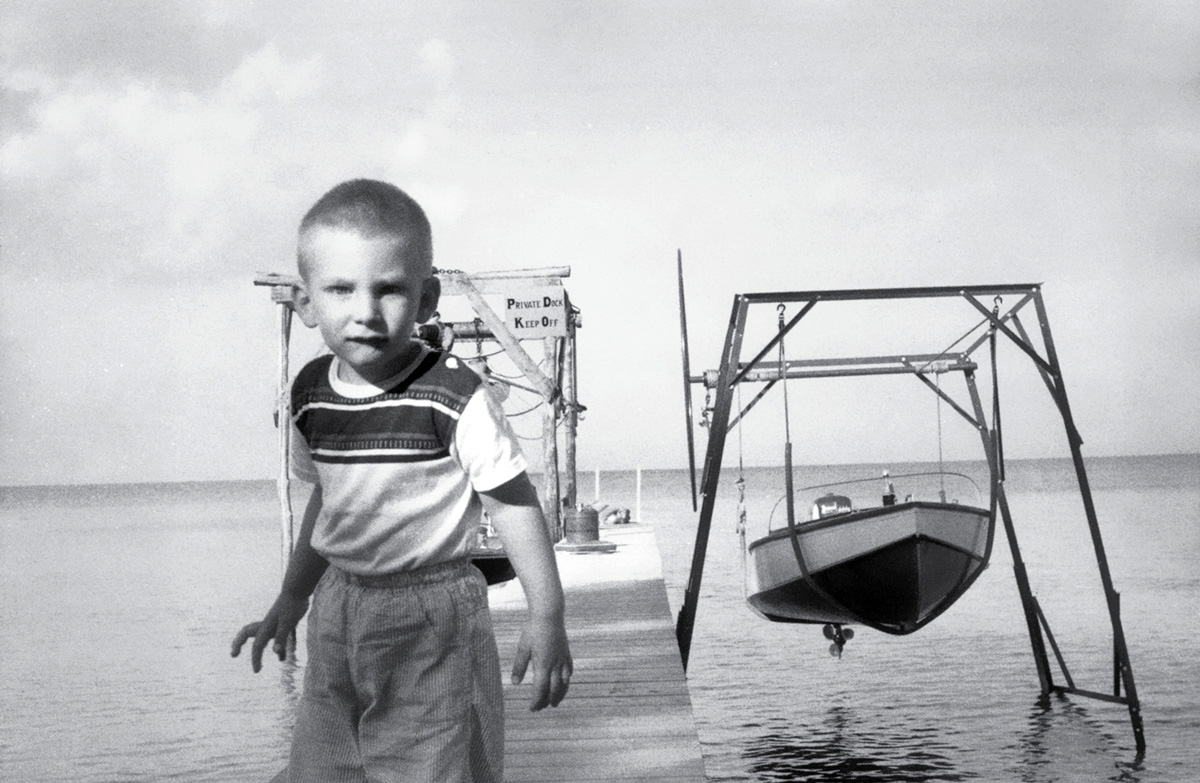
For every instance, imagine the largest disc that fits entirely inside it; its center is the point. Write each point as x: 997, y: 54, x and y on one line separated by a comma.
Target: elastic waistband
x: 438, y: 572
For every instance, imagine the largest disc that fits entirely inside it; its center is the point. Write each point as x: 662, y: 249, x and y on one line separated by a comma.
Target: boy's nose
x: 366, y: 308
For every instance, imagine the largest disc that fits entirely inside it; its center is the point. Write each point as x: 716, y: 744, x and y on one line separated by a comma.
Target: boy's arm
x: 304, y: 570
x: 517, y: 517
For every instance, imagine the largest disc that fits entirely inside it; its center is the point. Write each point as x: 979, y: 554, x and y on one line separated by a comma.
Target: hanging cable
x: 787, y: 426
x: 937, y: 377
x: 949, y: 347
x: 793, y: 533
x: 787, y: 423
x: 530, y: 409
x: 741, y: 466
x: 740, y: 525
x: 997, y: 437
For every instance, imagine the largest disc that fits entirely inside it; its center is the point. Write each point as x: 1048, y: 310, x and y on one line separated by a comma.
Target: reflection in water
x: 841, y: 748
x: 291, y: 678
x: 1062, y: 735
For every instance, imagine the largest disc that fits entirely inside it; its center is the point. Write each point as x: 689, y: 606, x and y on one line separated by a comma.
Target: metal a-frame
x: 733, y: 371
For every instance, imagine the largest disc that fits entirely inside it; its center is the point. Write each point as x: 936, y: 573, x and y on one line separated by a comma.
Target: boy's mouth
x: 371, y: 342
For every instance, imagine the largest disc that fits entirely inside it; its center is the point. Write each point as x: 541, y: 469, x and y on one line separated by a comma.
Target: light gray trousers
x: 402, y: 682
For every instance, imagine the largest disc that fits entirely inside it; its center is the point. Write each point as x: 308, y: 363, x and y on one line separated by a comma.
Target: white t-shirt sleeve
x: 485, y: 444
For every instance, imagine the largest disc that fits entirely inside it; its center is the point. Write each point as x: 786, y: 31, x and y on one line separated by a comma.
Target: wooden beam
x: 507, y: 340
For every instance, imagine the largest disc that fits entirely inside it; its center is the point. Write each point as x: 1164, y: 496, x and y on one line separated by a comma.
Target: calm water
x: 119, y: 603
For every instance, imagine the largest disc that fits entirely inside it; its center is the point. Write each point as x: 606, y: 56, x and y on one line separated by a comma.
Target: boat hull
x: 893, y: 568
x: 495, y: 565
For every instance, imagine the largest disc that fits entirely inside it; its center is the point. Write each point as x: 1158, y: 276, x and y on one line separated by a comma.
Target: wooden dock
x: 628, y: 715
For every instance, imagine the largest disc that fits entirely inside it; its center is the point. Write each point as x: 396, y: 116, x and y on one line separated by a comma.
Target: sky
x: 155, y: 155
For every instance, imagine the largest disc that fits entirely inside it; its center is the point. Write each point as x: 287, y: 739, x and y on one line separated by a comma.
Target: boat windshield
x: 830, y: 505
x: 841, y: 497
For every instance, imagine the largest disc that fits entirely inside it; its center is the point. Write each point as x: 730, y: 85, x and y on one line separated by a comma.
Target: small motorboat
x: 495, y: 565
x: 893, y: 567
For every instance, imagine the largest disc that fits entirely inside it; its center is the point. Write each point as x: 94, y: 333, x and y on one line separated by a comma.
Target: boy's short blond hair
x: 371, y: 208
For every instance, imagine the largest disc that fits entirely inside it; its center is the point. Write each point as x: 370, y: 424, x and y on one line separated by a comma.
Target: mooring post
x: 571, y: 402
x: 551, y: 505
x: 282, y: 295
x: 638, y: 494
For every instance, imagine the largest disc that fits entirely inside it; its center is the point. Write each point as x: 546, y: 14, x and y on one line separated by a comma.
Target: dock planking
x: 628, y: 714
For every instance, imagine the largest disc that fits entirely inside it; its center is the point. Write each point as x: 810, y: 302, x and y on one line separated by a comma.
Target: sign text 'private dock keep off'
x: 533, y: 313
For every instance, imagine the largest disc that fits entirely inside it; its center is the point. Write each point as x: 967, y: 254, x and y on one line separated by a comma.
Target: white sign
x: 533, y: 313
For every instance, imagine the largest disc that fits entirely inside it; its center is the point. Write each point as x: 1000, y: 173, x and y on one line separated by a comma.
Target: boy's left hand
x: 517, y: 516
x: 544, y: 643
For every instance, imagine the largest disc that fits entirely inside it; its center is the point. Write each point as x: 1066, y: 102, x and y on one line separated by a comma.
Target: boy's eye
x: 338, y: 289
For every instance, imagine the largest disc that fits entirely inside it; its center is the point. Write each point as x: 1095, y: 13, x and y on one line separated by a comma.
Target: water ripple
x: 840, y: 748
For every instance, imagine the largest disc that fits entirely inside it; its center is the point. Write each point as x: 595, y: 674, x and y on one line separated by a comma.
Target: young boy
x: 403, y: 448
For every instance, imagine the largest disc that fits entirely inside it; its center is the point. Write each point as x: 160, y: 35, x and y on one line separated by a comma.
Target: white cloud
x: 437, y: 59
x: 424, y: 133
x: 265, y: 73
x: 155, y: 178
x: 217, y: 13
x: 416, y: 146
x: 25, y: 80
x: 444, y: 203
x: 412, y: 145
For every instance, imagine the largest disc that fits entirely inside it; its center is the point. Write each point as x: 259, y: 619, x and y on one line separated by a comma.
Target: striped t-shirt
x: 399, y: 464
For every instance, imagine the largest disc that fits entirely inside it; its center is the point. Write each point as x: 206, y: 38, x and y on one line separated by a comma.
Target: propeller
x: 687, y: 380
x: 839, y: 636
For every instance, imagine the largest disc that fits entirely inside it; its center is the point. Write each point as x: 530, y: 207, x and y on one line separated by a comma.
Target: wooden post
x: 571, y: 400
x: 638, y: 495
x: 283, y: 407
x: 551, y: 508
x: 506, y: 339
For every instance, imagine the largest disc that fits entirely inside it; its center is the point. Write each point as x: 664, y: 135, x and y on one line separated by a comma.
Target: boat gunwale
x: 813, y: 525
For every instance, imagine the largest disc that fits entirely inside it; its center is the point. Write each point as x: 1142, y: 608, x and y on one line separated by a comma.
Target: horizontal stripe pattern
x: 441, y: 405
x: 398, y: 480
x: 412, y: 422
x: 377, y: 456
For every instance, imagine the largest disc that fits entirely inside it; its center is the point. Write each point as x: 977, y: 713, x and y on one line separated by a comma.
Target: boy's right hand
x: 279, y: 624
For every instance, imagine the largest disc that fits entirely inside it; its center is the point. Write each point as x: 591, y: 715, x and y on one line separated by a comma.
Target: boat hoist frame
x: 733, y: 371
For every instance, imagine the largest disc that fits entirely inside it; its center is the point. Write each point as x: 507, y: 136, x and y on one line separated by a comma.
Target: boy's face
x: 366, y: 294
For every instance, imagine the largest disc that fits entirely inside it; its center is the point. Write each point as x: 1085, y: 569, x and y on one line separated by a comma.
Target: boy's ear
x: 431, y: 292
x: 302, y: 304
